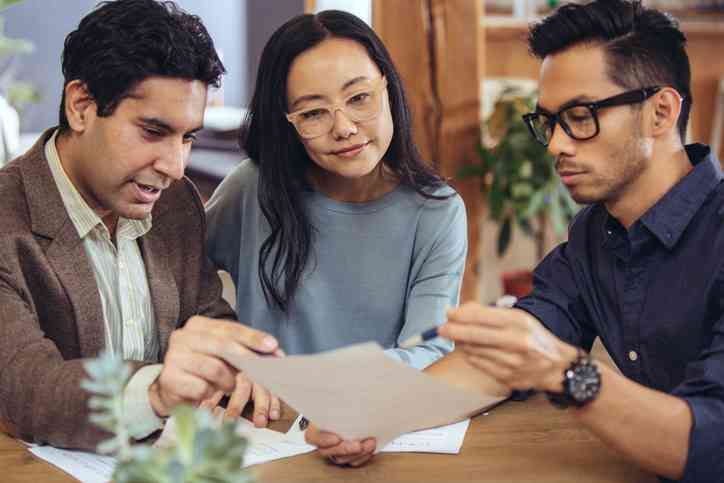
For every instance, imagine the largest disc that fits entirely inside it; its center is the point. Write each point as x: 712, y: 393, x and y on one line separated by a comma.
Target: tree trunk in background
x: 435, y: 46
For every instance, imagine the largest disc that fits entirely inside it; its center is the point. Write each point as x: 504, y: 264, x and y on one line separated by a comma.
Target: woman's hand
x: 338, y: 451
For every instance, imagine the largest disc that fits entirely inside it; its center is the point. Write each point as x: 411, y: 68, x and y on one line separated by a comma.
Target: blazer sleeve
x: 40, y: 395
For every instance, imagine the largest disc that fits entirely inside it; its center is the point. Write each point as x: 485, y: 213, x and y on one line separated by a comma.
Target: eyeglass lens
x: 578, y: 121
x: 360, y: 107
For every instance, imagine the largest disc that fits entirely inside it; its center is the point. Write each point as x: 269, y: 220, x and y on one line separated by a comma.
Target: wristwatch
x: 581, y: 383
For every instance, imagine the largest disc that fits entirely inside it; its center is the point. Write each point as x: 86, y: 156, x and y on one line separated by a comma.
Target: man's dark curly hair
x: 123, y: 42
x: 644, y: 47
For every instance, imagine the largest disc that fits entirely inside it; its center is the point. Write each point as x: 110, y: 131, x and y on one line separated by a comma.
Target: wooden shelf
x: 503, y: 26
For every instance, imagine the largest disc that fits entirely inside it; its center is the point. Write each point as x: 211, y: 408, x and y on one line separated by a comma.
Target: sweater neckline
x: 325, y: 202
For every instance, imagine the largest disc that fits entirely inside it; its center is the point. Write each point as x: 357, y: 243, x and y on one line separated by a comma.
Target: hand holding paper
x: 358, y: 392
x: 509, y: 345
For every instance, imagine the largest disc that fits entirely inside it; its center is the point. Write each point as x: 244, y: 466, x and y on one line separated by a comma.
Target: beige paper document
x: 359, y: 392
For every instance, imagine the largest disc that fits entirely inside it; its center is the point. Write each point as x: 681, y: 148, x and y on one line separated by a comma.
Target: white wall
x: 360, y: 8
x: 240, y: 28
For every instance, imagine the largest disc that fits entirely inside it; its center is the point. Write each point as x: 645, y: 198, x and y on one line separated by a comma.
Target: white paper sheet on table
x: 359, y: 392
x: 264, y: 445
x: 86, y: 467
x: 267, y: 445
x: 444, y: 439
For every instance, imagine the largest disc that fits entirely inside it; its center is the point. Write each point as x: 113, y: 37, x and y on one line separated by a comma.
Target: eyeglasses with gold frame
x: 363, y: 104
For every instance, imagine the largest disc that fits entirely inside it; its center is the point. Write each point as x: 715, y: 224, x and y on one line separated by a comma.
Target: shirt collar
x: 670, y: 216
x: 81, y: 215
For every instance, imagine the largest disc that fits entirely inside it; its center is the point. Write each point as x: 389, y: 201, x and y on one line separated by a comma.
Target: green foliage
x: 518, y: 174
x: 206, y: 449
x: 18, y: 94
x: 10, y: 46
x: 6, y: 3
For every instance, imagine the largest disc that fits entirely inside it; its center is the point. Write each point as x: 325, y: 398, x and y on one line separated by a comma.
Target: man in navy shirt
x: 644, y: 265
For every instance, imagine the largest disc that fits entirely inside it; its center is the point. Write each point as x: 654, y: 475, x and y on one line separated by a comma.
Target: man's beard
x: 629, y: 163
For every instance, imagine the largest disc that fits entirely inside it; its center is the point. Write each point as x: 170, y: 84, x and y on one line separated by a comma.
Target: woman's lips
x: 351, y: 151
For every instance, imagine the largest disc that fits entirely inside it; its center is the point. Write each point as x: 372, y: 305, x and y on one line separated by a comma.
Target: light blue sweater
x: 379, y: 271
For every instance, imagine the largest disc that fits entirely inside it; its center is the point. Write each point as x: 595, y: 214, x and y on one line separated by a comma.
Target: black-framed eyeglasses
x: 580, y: 121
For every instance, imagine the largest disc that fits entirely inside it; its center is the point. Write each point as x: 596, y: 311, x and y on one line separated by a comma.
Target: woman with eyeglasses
x: 335, y: 231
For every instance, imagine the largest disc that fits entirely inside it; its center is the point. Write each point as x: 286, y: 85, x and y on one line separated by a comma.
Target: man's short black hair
x: 123, y: 42
x: 644, y: 47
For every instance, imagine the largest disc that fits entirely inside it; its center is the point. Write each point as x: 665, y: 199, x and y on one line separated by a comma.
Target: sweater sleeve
x: 436, y: 278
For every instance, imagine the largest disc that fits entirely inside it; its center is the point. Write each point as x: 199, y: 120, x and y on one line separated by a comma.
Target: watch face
x: 583, y: 382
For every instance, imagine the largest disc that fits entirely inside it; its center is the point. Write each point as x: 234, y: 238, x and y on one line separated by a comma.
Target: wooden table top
x: 516, y: 442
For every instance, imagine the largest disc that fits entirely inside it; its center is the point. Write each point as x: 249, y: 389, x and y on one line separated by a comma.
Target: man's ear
x: 79, y: 105
x: 666, y: 110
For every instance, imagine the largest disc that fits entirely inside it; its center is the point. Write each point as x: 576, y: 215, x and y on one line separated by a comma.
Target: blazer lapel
x: 65, y: 252
x: 164, y: 291
x: 70, y: 262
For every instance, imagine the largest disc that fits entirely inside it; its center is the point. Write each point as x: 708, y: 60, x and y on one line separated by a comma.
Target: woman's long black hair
x: 273, y: 145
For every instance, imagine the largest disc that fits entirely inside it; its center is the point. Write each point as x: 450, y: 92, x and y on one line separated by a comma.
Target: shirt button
x: 633, y: 355
x: 121, y: 265
x: 130, y: 322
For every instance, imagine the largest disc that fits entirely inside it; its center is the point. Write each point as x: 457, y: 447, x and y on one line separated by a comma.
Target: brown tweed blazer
x: 51, y: 316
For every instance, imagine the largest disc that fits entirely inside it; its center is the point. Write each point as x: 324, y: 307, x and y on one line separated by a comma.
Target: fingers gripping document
x: 359, y: 392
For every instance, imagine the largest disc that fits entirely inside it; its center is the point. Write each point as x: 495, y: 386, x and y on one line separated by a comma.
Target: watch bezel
x: 576, y: 391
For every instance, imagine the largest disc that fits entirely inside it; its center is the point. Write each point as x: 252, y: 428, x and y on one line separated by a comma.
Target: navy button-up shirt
x: 654, y: 294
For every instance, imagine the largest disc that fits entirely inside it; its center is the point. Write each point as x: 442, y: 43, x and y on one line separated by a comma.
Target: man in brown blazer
x: 102, y: 241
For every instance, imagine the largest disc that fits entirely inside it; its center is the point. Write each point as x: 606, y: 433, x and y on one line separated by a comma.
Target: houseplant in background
x: 13, y: 94
x: 203, y: 450
x: 519, y: 181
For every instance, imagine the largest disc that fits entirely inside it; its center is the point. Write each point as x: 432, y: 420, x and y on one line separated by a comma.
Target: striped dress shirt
x: 130, y: 331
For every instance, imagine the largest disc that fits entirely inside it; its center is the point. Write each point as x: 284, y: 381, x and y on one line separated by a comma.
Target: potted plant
x: 519, y: 180
x: 204, y: 450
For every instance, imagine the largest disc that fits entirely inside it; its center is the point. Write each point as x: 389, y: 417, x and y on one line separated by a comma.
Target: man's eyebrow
x: 582, y: 99
x: 163, y: 126
x: 540, y: 109
x: 157, y: 123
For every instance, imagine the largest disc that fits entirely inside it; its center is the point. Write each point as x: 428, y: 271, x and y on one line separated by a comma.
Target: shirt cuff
x: 137, y: 405
x: 704, y: 462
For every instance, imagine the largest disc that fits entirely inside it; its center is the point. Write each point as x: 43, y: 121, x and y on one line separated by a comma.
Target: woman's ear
x: 79, y: 105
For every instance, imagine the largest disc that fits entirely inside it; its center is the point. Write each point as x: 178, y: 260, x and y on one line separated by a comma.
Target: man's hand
x: 202, y: 359
x: 510, y: 345
x: 338, y: 451
x: 266, y: 405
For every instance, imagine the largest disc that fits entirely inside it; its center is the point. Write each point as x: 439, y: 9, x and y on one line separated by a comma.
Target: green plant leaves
x: 206, y: 449
x: 470, y: 171
x: 6, y: 3
x: 535, y: 205
x: 12, y: 46
x: 517, y: 174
